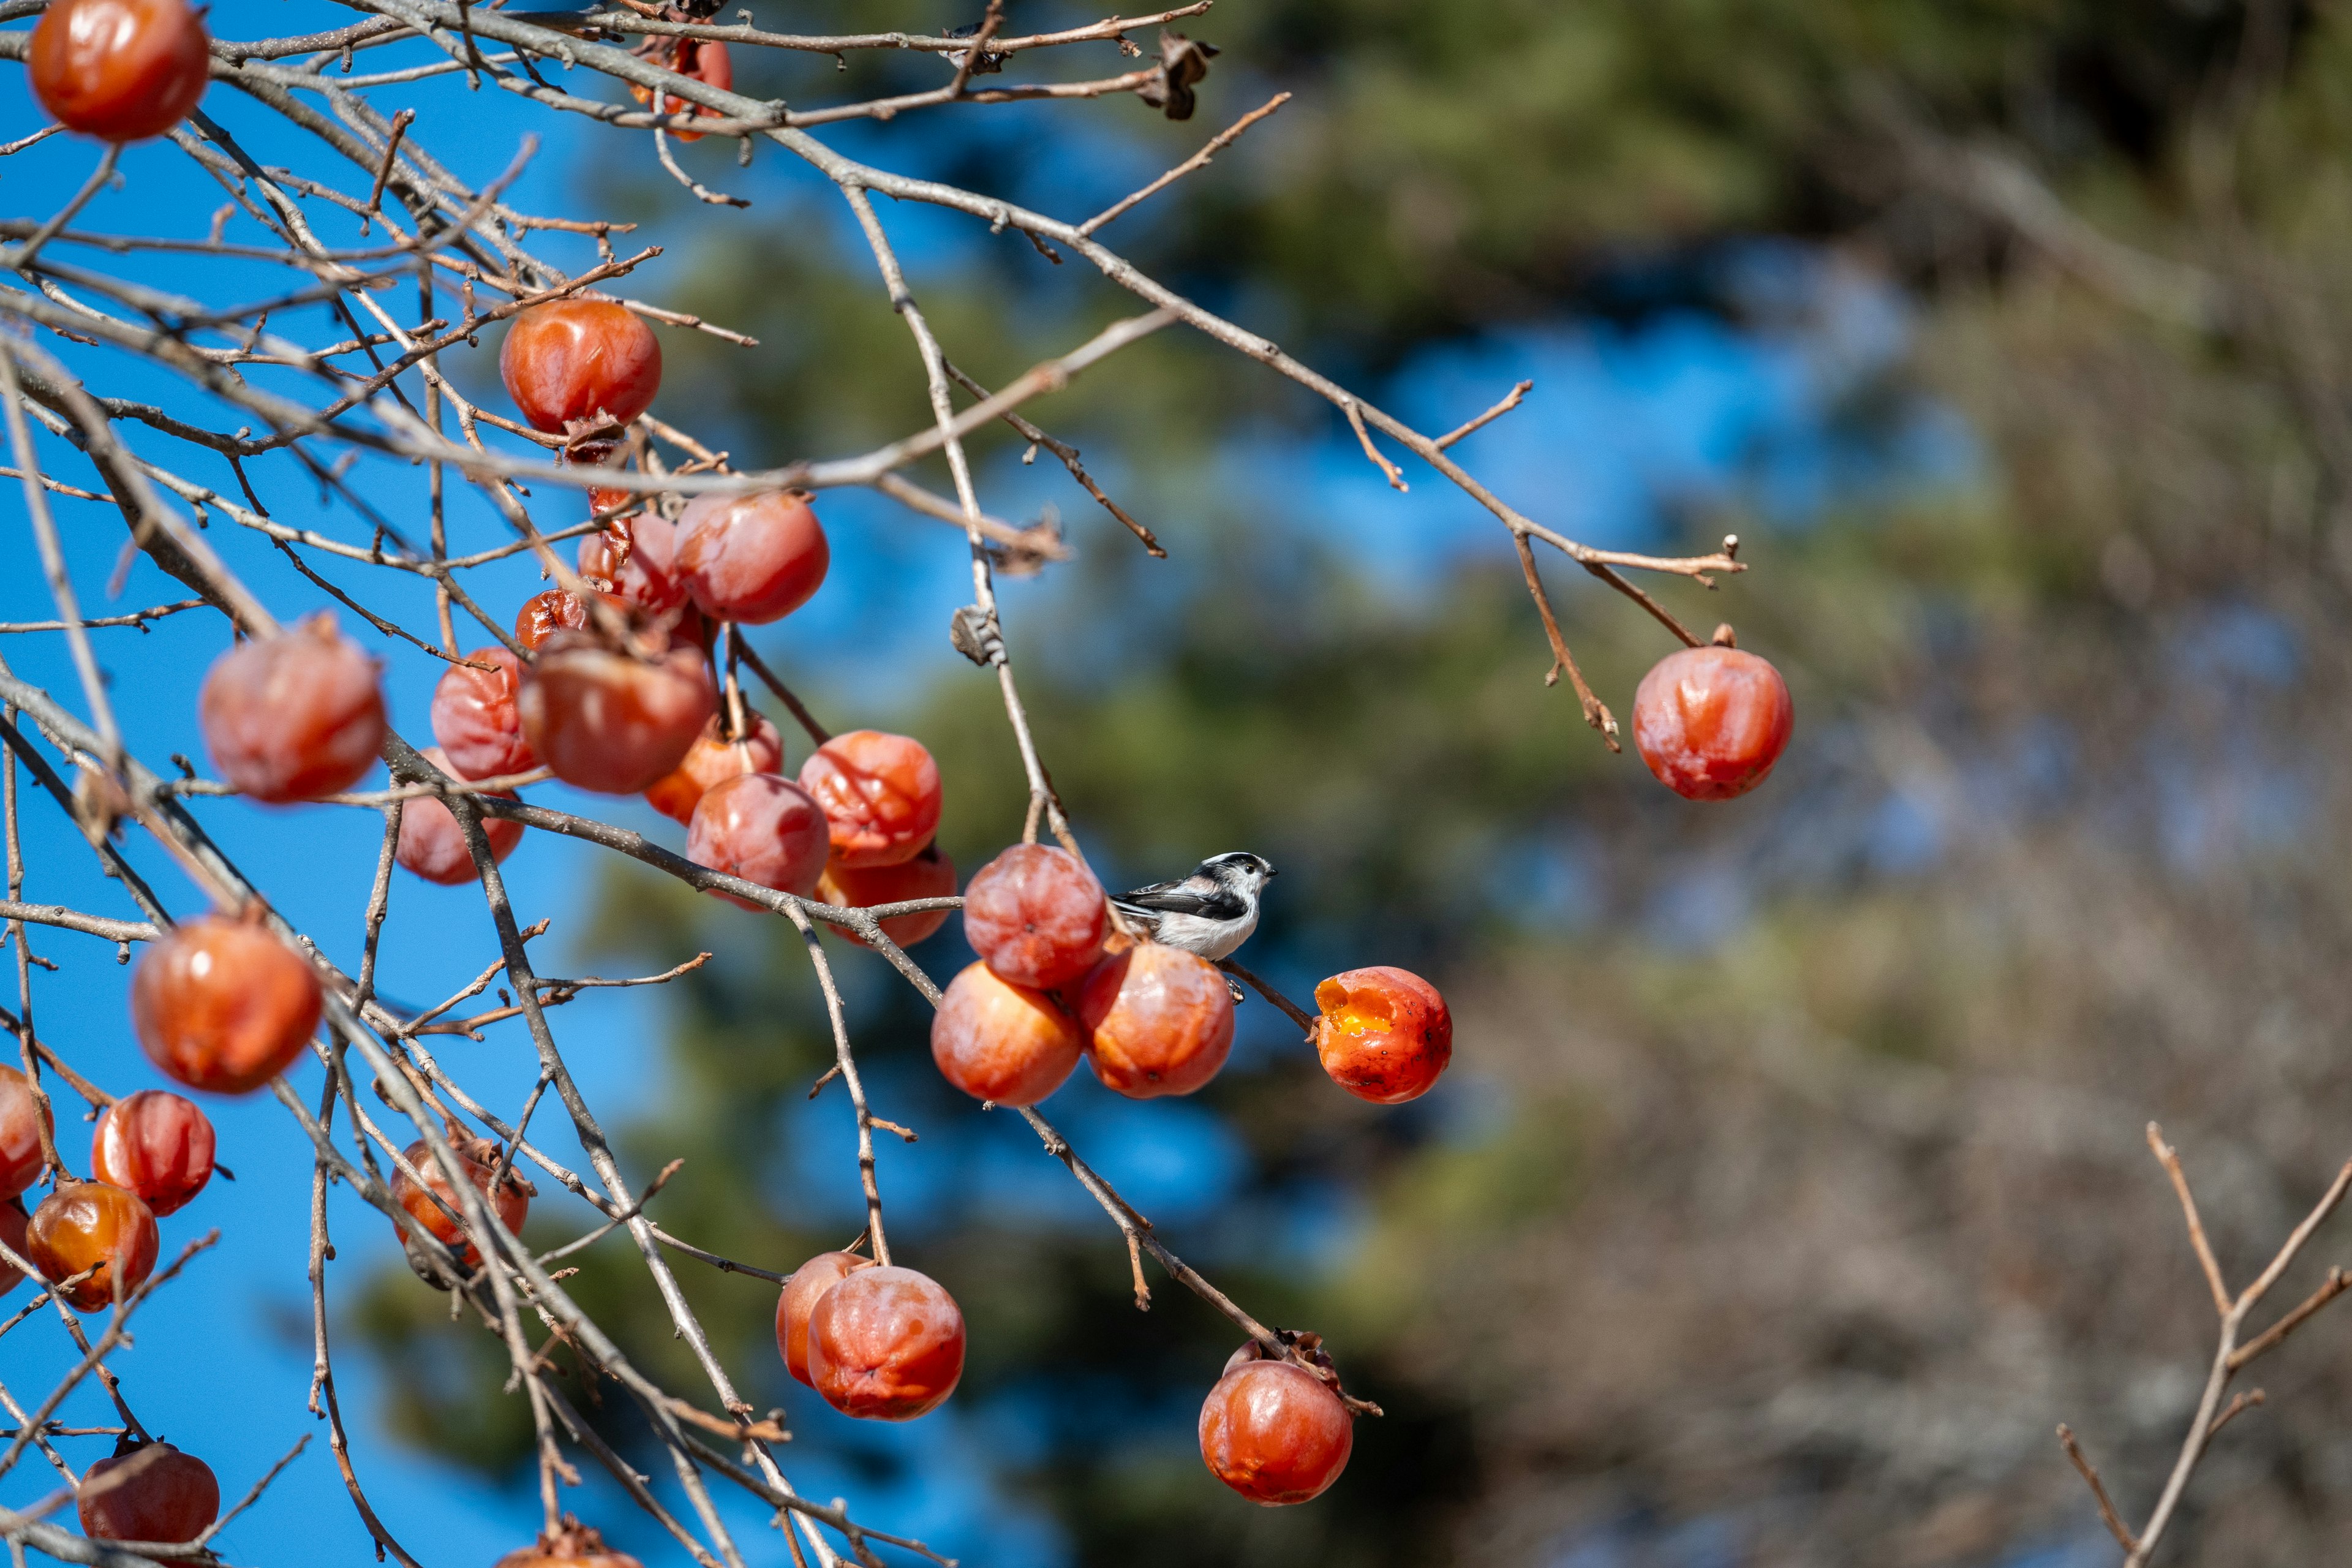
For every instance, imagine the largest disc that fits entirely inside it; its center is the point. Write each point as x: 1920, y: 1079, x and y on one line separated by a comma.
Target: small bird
x: 1211, y: 913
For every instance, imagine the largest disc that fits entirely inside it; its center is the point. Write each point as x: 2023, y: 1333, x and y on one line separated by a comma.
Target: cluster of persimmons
x: 614, y: 691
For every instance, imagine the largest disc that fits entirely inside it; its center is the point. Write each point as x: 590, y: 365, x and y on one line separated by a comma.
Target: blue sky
x: 1621, y: 421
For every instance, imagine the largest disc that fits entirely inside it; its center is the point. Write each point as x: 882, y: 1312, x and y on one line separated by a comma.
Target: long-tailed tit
x: 1211, y: 913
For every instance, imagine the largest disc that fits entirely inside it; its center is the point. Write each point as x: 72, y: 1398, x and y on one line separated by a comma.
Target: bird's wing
x: 1190, y: 896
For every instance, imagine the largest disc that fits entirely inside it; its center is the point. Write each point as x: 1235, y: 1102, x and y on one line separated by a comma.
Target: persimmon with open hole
x: 95, y: 1226
x: 885, y: 1344
x: 157, y: 1145
x: 424, y: 1200
x: 1383, y: 1035
x: 221, y: 1005
x: 810, y: 1282
x: 1036, y: 916
x: 296, y: 716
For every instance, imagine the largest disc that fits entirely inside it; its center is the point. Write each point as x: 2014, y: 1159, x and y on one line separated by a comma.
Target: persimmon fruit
x: 1711, y: 722
x: 433, y: 846
x: 880, y: 794
x: 222, y: 1005
x: 476, y: 719
x: 157, y: 1145
x: 885, y: 1344
x: 570, y: 1544
x: 1275, y: 1432
x: 930, y: 875
x: 1036, y: 916
x: 1001, y: 1042
x: 150, y: 1492
x: 293, y: 717
x: 423, y: 1201
x: 20, y: 1132
x: 573, y: 362
x: 122, y: 70
x: 762, y: 828
x: 1383, y: 1035
x: 751, y: 559
x: 711, y: 758
x: 1159, y: 1020
x: 609, y: 722
x: 810, y: 1282
x: 92, y: 1225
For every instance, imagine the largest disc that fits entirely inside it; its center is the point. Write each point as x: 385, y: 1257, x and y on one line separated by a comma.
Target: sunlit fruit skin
x: 1711, y: 722
x: 154, y: 1492
x: 222, y: 1005
x: 433, y: 846
x: 810, y: 1282
x: 476, y: 719
x: 20, y: 1132
x: 295, y: 716
x: 155, y: 1143
x: 608, y: 722
x: 570, y: 1545
x: 638, y: 556
x: 122, y: 70
x: 574, y: 361
x: 82, y: 1224
x: 706, y: 60
x: 885, y: 1344
x: 751, y: 559
x: 930, y: 875
x: 880, y: 794
x: 1384, y: 1034
x: 512, y: 1201
x: 544, y: 614
x: 762, y: 828
x: 1036, y: 916
x: 1275, y: 1432
x: 711, y: 758
x: 1159, y: 1020
x: 1001, y: 1042
x: 13, y: 1220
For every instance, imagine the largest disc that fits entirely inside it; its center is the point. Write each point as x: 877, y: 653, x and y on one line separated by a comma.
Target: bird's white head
x: 1239, y: 870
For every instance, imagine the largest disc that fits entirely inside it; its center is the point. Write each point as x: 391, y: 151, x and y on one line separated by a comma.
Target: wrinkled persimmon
x: 605, y: 721
x: 711, y: 758
x: 122, y: 70
x: 880, y: 794
x: 157, y: 1145
x: 930, y: 875
x: 475, y: 717
x: 222, y: 1005
x: 433, y: 846
x: 570, y: 1544
x: 1384, y: 1035
x: 91, y: 1226
x: 1275, y: 1432
x: 885, y: 1344
x: 295, y: 716
x: 1711, y: 722
x: 571, y: 362
x: 1002, y: 1042
x: 751, y: 559
x: 1159, y: 1021
x: 762, y: 827
x: 810, y: 1282
x: 149, y: 1492
x: 545, y: 614
x: 637, y: 555
x: 1036, y: 916
x: 21, y: 1118
x: 424, y: 1201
